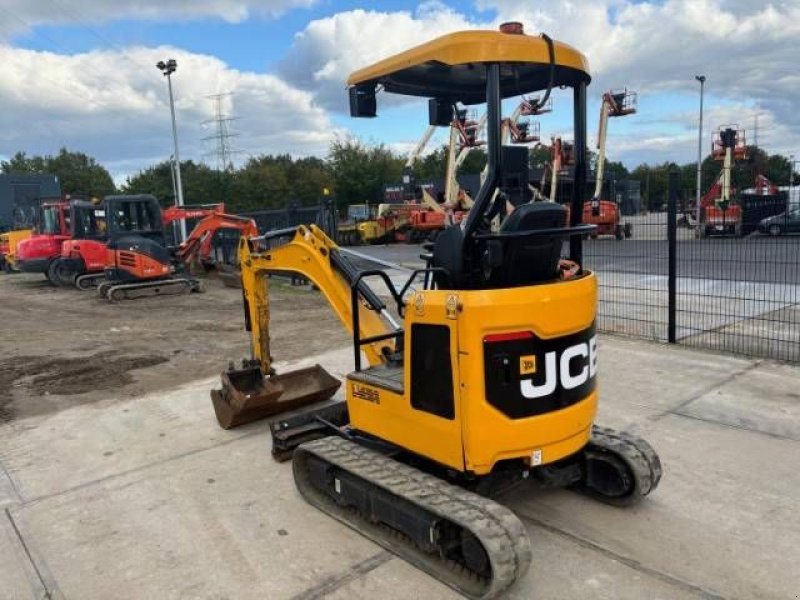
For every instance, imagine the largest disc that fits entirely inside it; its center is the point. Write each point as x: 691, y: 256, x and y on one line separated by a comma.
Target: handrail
x: 356, y: 288
x: 564, y: 232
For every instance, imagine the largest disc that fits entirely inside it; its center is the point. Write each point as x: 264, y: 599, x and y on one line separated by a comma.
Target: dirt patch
x: 37, y: 376
x: 63, y: 348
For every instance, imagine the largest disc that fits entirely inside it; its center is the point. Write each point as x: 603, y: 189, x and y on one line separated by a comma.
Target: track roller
x: 471, y: 543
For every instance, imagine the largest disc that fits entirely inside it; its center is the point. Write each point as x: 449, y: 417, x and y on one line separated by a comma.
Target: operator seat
x: 521, y: 260
x: 528, y: 260
x: 448, y: 256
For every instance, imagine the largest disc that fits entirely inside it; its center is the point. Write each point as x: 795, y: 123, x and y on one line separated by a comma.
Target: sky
x: 81, y: 73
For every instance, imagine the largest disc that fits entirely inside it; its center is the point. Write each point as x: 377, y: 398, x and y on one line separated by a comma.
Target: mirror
x: 440, y: 112
x: 362, y: 101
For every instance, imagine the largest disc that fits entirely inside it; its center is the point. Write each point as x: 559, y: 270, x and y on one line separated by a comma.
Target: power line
x: 223, y: 151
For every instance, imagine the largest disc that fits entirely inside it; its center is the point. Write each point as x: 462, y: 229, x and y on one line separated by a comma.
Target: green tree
x: 617, y: 169
x: 201, y: 184
x: 155, y: 180
x: 361, y: 172
x: 77, y: 172
x: 309, y: 176
x: 262, y: 183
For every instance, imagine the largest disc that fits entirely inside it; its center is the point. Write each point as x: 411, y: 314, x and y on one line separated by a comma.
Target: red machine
x: 764, y: 187
x: 138, y: 262
x: 719, y: 214
x: 560, y: 158
x: 85, y: 257
x: 468, y: 128
x: 38, y: 253
x: 198, y: 247
x: 605, y: 213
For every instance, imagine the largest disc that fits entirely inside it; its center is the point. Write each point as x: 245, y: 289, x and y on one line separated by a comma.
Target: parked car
x: 786, y: 222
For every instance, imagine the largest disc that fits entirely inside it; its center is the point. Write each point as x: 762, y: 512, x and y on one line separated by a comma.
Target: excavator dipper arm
x: 198, y: 243
x: 255, y: 391
x: 313, y: 255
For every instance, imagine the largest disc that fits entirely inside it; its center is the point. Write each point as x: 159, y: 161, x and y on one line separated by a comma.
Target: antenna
x: 223, y: 151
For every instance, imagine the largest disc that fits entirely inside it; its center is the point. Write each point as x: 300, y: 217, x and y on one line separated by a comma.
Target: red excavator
x: 138, y: 261
x: 39, y: 253
x: 88, y: 257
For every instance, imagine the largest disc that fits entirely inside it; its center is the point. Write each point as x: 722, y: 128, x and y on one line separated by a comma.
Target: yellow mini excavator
x: 481, y: 377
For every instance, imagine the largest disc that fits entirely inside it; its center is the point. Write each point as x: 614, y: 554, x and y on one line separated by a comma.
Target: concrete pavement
x: 148, y: 498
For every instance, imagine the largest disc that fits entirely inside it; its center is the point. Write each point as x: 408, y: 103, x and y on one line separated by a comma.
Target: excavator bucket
x: 248, y: 396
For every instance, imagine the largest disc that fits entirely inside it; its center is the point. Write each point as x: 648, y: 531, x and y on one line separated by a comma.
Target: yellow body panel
x: 549, y: 311
x: 479, y: 46
x: 480, y: 435
x: 12, y: 239
x: 394, y: 419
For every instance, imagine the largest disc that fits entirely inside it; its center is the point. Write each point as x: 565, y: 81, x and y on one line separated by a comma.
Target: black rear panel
x: 527, y: 376
x: 137, y: 244
x: 431, y: 371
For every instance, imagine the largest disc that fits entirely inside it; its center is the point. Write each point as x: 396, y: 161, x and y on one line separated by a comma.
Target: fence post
x: 672, y: 238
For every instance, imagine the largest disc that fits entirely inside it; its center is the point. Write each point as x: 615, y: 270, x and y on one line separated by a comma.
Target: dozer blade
x: 311, y: 422
x: 248, y: 396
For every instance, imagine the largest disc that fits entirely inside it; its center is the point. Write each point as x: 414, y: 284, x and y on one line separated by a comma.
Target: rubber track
x: 169, y: 287
x: 501, y: 533
x: 640, y: 457
x: 95, y: 278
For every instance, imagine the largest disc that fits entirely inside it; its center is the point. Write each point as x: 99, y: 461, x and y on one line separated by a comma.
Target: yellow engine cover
x: 488, y: 375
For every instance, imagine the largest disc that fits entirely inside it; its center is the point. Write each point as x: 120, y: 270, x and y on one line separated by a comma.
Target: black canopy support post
x: 579, y: 175
x: 493, y: 151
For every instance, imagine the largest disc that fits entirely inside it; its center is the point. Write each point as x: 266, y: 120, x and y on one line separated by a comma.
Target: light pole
x: 168, y: 68
x: 702, y: 80
x: 172, y: 173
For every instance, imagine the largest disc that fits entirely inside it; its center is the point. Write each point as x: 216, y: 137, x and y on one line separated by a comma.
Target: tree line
x: 353, y: 172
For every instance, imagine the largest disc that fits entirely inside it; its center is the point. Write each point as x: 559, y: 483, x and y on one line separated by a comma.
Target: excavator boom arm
x: 199, y: 240
x: 313, y: 255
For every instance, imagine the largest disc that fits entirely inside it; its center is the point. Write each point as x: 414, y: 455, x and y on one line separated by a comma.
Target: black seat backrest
x: 448, y: 255
x: 530, y: 260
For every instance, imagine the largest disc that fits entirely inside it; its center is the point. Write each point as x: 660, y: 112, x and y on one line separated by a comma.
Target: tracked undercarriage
x: 116, y: 292
x: 464, y: 539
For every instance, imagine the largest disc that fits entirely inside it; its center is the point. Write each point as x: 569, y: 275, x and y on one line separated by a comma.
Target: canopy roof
x: 449, y: 66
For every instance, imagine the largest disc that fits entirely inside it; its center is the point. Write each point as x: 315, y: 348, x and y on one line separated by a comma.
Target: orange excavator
x: 85, y: 256
x: 138, y: 261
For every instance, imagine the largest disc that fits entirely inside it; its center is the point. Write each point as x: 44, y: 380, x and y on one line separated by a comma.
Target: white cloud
x: 20, y: 15
x: 746, y: 49
x: 121, y: 115
x: 328, y: 49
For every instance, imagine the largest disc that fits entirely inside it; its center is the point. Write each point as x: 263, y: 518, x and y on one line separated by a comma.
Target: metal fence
x: 734, y: 289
